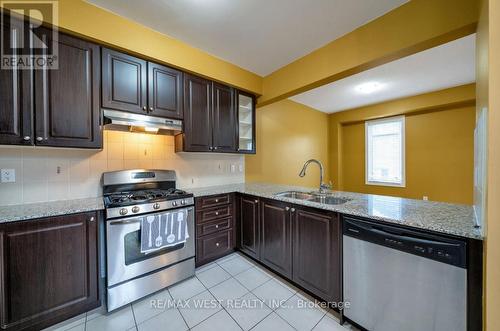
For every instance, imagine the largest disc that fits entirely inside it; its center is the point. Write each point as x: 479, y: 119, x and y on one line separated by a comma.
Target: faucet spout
x: 322, y: 186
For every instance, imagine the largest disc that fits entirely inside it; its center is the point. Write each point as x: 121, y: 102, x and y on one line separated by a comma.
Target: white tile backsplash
x: 47, y: 174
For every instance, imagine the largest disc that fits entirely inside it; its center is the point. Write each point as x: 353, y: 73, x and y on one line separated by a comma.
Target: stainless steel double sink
x: 328, y: 199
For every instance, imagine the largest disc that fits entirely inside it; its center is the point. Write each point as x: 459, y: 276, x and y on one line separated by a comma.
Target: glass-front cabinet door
x: 246, y: 123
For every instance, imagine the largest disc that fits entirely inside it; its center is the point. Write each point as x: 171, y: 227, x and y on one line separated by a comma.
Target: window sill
x: 372, y: 183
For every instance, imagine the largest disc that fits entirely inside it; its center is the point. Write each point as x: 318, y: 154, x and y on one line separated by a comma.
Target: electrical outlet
x: 425, y: 198
x: 8, y: 175
x: 233, y: 168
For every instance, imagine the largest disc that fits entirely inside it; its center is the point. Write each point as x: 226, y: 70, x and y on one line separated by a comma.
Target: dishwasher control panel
x: 435, y: 247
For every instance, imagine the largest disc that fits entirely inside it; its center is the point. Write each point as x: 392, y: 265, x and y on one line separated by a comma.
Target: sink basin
x: 313, y: 196
x: 329, y: 200
x: 295, y: 195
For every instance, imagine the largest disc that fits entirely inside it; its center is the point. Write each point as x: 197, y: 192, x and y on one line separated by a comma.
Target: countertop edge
x: 207, y: 191
x: 24, y: 212
x: 35, y: 211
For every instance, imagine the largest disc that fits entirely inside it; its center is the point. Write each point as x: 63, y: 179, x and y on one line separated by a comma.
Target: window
x: 385, y: 151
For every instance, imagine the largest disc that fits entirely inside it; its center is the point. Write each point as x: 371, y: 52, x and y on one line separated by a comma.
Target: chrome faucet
x: 322, y: 186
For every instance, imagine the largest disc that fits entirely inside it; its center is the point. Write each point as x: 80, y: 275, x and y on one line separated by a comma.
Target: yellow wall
x: 83, y: 19
x: 454, y: 97
x: 411, y: 28
x: 439, y: 157
x: 288, y: 133
x: 493, y: 206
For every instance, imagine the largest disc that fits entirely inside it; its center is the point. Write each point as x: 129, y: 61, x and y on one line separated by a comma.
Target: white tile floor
x: 252, y: 299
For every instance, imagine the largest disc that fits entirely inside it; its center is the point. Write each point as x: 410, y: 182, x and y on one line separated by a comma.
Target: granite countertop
x: 447, y: 218
x: 46, y: 209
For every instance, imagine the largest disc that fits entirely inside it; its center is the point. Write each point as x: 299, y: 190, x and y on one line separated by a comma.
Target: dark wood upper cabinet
x: 316, y: 252
x: 249, y: 225
x: 276, y: 236
x: 124, y: 82
x: 48, y: 270
x: 165, y: 91
x: 223, y: 119
x: 197, y: 136
x: 15, y: 97
x: 210, y: 119
x: 245, y: 127
x: 67, y: 98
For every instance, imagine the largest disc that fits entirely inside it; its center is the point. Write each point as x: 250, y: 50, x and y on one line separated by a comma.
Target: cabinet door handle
x: 215, y: 148
x: 151, y: 109
x: 39, y: 138
x: 287, y: 208
x: 217, y: 244
x: 144, y: 108
x: 292, y: 210
x: 216, y: 213
x: 217, y: 226
x: 27, y: 138
x: 256, y: 201
x: 92, y: 219
x: 216, y: 200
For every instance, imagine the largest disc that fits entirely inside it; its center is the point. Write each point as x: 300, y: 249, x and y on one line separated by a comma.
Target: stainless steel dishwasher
x: 403, y: 280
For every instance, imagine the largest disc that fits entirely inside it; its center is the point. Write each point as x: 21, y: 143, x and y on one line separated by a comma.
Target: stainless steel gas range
x: 129, y: 195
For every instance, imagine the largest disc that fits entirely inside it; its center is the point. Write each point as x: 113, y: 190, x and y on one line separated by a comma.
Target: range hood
x: 123, y: 121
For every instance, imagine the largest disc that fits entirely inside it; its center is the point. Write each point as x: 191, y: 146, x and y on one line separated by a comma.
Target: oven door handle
x: 136, y: 219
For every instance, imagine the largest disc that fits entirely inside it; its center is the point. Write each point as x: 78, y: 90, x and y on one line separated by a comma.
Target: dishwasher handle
x: 431, y: 246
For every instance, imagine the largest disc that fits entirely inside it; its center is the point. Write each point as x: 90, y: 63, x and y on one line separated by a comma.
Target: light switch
x: 8, y: 175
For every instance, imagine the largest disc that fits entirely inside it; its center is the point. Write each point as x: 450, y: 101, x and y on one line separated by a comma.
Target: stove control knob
x: 123, y: 211
x: 156, y: 206
x: 135, y: 209
x: 174, y: 203
x: 183, y: 202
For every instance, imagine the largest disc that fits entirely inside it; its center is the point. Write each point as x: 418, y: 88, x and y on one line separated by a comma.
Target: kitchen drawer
x: 214, y: 246
x: 213, y: 200
x: 214, y: 213
x: 214, y: 226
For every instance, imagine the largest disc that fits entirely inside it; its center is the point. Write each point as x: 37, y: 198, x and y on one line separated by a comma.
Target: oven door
x: 124, y: 258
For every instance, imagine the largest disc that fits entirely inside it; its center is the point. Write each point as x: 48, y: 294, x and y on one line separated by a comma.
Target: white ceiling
x: 441, y: 67
x: 258, y: 35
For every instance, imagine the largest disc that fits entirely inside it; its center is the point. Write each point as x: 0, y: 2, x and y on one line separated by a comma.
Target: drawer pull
x: 216, y: 200
x: 217, y: 244
x: 256, y: 201
x: 217, y: 226
x: 216, y: 213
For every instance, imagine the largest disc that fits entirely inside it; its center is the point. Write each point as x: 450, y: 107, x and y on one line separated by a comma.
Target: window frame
x: 401, y: 119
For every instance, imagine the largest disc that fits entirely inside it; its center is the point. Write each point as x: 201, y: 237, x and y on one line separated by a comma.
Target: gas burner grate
x: 143, y: 196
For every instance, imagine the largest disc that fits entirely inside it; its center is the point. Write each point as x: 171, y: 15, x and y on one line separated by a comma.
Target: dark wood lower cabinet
x: 48, y: 270
x: 215, y: 231
x: 300, y: 243
x: 214, y: 246
x: 276, y: 236
x: 249, y: 226
x: 316, y: 252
